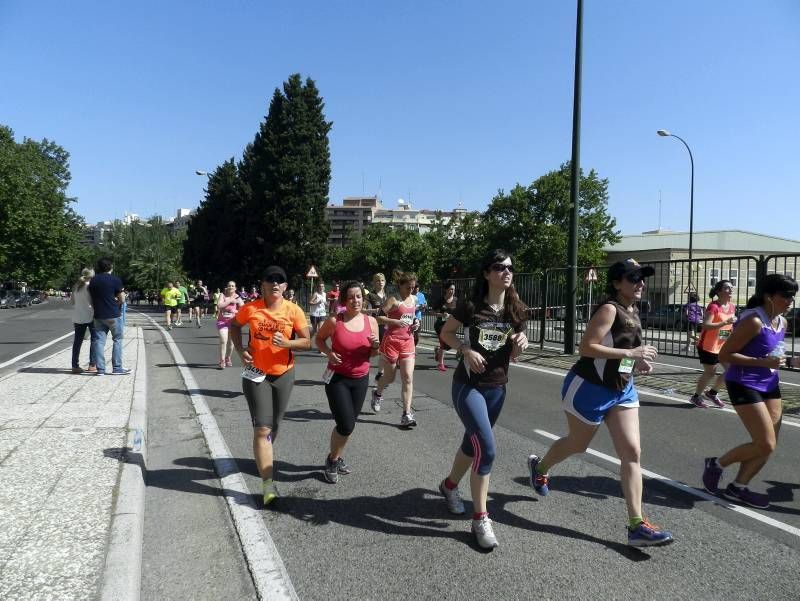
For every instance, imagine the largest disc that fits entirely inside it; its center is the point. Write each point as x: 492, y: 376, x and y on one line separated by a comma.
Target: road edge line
x: 122, y: 574
x: 36, y: 350
x: 701, y: 494
x: 270, y: 577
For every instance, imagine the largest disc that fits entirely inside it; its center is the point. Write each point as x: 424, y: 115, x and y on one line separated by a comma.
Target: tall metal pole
x: 691, y: 205
x: 574, y: 194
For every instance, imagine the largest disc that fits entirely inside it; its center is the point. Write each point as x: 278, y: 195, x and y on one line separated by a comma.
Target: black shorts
x: 742, y: 395
x: 170, y: 309
x: 197, y: 304
x: 707, y: 358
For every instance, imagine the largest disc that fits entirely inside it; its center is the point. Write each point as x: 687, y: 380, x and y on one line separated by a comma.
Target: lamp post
x: 665, y: 134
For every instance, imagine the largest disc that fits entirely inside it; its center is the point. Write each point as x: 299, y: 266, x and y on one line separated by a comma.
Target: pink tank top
x: 406, y: 315
x: 353, y: 347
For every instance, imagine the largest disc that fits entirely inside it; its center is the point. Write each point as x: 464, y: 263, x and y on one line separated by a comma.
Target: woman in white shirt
x: 316, y: 308
x: 82, y: 318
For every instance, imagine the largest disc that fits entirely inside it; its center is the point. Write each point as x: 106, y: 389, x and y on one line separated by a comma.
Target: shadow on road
x: 221, y: 394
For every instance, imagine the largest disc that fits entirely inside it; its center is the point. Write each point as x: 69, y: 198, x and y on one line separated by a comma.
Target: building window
x: 733, y: 276
x: 713, y: 276
x: 751, y: 278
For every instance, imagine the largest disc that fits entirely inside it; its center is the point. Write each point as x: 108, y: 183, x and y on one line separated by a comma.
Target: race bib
x: 626, y: 366
x: 724, y: 334
x: 407, y: 318
x: 492, y: 339
x: 253, y: 374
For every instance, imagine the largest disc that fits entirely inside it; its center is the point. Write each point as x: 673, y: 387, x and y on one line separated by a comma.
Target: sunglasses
x: 634, y: 278
x: 275, y: 279
x: 501, y: 267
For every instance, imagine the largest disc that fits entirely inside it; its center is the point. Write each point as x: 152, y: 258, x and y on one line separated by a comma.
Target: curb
x: 270, y: 577
x: 122, y: 574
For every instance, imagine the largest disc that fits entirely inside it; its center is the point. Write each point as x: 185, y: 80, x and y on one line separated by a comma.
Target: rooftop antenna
x: 659, y: 210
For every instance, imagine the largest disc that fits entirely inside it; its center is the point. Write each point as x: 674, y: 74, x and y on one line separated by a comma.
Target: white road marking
x: 32, y: 351
x: 692, y: 491
x: 270, y: 577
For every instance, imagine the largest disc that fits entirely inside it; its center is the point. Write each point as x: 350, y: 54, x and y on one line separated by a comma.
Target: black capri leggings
x: 345, y: 398
x: 268, y: 400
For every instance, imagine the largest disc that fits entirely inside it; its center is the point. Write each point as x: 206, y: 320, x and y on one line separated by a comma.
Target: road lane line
x: 267, y: 569
x: 701, y: 494
x: 36, y: 350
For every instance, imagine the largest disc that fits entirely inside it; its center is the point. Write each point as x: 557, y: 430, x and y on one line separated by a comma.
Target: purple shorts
x: 224, y: 323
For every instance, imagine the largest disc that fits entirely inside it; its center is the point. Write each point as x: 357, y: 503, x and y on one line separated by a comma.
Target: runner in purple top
x: 755, y: 352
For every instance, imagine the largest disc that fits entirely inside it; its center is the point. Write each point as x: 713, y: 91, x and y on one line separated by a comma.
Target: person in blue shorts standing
x: 599, y: 388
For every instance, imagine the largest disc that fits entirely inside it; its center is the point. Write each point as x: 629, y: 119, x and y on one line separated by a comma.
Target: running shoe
x: 92, y: 369
x: 331, y: 471
x: 453, y: 498
x: 442, y: 367
x: 199, y: 325
x: 408, y: 420
x: 342, y: 467
x: 270, y: 492
x: 697, y: 401
x: 169, y: 328
x: 648, y: 535
x: 377, y: 399
x: 746, y: 496
x: 228, y: 362
x: 120, y: 372
x: 714, y: 398
x: 484, y: 533
x: 539, y: 482
x: 712, y: 472
x: 179, y: 323
x: 222, y: 365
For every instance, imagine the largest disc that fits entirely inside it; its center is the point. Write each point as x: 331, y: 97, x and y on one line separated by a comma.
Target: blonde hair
x: 86, y: 276
x: 379, y: 275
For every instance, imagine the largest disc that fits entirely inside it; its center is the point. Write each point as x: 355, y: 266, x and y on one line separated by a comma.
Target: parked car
x: 20, y: 299
x: 5, y: 300
x: 37, y: 296
x: 665, y: 317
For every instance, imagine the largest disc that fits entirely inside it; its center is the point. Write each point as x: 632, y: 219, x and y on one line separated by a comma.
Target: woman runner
x: 718, y: 322
x: 494, y: 320
x: 317, y: 307
x: 354, y: 339
x: 375, y: 300
x: 444, y: 309
x: 600, y: 388
x: 268, y: 378
x: 228, y: 304
x: 754, y: 352
x: 397, y: 347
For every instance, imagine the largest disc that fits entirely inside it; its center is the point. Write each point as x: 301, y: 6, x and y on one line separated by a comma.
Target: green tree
x: 40, y: 233
x: 532, y: 222
x: 285, y: 176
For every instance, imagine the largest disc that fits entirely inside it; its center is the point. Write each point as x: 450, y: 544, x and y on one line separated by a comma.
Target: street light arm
x: 691, y: 158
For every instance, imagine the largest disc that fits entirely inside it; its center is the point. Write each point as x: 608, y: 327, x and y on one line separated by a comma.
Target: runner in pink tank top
x: 354, y: 339
x: 397, y: 347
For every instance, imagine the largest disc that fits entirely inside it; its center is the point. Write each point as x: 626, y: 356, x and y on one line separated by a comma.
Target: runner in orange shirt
x: 718, y: 320
x: 268, y: 377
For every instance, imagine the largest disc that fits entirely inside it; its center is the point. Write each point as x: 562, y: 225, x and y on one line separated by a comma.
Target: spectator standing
x: 83, y: 319
x: 422, y: 305
x: 108, y: 296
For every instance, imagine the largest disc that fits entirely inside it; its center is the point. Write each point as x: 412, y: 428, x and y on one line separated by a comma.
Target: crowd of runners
x: 350, y: 325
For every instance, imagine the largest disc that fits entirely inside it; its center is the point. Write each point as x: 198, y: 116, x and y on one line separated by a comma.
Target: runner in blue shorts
x: 599, y: 388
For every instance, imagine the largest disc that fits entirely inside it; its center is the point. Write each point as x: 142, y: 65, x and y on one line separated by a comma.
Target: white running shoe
x: 454, y: 503
x: 408, y: 420
x: 484, y: 534
x: 376, y: 401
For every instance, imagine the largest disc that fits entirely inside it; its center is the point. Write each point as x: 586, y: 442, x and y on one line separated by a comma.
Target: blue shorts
x: 590, y: 403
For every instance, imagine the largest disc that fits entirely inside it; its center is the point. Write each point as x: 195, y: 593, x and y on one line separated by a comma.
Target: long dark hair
x: 774, y: 283
x: 343, y: 291
x: 513, y: 307
x: 717, y: 287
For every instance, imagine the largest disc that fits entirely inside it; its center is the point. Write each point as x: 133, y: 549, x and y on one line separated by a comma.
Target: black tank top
x: 625, y: 332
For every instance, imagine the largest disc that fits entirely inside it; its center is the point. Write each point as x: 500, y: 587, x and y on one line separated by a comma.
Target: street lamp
x: 665, y: 134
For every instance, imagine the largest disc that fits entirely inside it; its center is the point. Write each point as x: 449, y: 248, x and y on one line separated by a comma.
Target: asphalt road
x: 383, y: 532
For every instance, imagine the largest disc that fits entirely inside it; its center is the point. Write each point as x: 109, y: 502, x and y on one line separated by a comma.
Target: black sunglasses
x: 501, y: 267
x: 635, y: 277
x: 275, y: 279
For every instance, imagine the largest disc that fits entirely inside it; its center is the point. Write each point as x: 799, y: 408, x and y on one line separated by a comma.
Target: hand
x: 334, y: 358
x: 520, y: 343
x: 730, y: 320
x: 373, y: 341
x: 415, y: 325
x: 474, y: 360
x: 645, y: 352
x: 278, y: 339
x: 643, y: 367
x: 773, y: 362
x: 246, y: 357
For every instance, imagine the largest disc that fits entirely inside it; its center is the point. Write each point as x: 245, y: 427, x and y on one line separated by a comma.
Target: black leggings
x: 345, y: 398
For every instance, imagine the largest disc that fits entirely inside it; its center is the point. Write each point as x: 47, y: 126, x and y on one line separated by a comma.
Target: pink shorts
x: 224, y: 323
x: 395, y: 350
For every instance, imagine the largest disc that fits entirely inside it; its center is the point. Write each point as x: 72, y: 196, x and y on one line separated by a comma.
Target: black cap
x: 622, y: 268
x: 274, y: 270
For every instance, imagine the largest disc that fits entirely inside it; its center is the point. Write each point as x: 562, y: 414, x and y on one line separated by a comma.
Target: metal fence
x: 666, y: 293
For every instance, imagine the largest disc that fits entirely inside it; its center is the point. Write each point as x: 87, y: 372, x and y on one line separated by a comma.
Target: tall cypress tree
x: 285, y: 174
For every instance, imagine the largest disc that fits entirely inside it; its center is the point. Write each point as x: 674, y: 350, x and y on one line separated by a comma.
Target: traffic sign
x: 591, y: 275
x: 312, y: 272
x: 690, y: 288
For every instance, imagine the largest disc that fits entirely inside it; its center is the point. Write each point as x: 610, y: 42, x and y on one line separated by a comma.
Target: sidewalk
x: 62, y: 438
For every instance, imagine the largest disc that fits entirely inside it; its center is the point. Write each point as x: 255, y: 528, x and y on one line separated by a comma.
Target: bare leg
x: 407, y: 381
x: 709, y: 371
x: 387, y: 378
x: 762, y: 421
x: 338, y: 443
x: 223, y: 343
x: 479, y: 487
x: 623, y: 425
x: 576, y: 441
x: 461, y: 464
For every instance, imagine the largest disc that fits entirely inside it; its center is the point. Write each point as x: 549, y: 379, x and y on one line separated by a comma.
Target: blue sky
x: 440, y: 101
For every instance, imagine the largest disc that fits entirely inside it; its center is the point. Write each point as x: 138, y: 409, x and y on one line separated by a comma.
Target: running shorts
x: 394, y: 350
x: 742, y: 395
x: 590, y: 402
x: 267, y: 400
x: 707, y: 358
